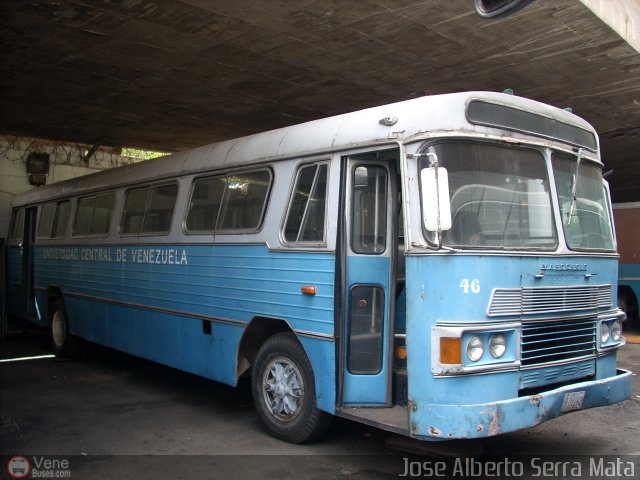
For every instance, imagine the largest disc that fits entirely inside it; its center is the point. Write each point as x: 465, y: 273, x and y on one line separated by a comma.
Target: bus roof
x: 416, y: 118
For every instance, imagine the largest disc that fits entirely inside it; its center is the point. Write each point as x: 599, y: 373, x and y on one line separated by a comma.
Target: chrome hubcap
x: 283, y: 389
x: 58, y: 328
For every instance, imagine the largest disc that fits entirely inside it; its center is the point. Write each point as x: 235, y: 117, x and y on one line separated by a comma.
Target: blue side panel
x: 322, y: 355
x: 151, y: 301
x: 228, y: 282
x: 168, y: 339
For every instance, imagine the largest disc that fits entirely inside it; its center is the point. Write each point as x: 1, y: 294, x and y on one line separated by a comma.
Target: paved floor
x: 112, y: 414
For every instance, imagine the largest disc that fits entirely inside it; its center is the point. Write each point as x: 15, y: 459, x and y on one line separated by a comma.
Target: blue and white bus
x: 443, y: 267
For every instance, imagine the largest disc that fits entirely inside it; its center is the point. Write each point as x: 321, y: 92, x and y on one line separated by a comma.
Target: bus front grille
x: 544, y: 300
x: 557, y: 341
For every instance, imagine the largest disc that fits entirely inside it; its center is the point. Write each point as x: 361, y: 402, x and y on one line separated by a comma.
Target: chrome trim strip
x: 157, y: 309
x: 318, y: 336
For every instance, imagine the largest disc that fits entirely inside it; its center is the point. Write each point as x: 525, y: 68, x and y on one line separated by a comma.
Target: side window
x: 205, y: 204
x: 62, y: 219
x: 94, y: 215
x: 243, y: 202
x: 17, y: 224
x: 229, y: 203
x: 47, y: 217
x: 53, y: 219
x: 149, y: 210
x: 306, y: 216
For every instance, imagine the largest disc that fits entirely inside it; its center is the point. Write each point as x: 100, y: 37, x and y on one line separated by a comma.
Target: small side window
x: 47, y: 217
x: 306, y: 216
x: 17, y: 224
x: 205, y: 204
x: 62, y: 219
x: 235, y: 202
x: 149, y: 210
x: 94, y: 215
x: 243, y: 202
x: 53, y: 219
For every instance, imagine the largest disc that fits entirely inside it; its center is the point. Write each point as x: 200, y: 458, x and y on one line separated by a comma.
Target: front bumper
x: 444, y: 422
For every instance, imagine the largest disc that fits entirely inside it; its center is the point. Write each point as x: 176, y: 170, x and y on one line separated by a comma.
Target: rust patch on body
x: 435, y: 432
x: 494, y: 425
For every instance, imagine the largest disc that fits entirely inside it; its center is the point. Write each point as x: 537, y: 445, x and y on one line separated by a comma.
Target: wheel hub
x: 283, y: 389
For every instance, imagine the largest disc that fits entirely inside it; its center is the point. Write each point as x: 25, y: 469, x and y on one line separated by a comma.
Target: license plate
x: 572, y: 401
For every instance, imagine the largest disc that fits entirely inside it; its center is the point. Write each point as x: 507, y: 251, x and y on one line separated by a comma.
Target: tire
x: 284, y: 393
x: 62, y: 342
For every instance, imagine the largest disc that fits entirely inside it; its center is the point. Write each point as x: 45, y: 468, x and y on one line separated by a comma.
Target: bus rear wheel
x: 63, y: 343
x: 283, y: 388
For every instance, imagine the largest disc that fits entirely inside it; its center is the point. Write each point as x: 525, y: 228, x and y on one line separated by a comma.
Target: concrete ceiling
x: 168, y: 75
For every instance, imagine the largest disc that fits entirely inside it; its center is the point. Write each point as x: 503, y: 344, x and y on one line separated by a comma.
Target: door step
x: 392, y: 419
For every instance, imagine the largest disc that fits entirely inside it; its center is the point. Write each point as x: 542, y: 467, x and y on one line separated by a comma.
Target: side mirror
x: 436, y: 206
x: 499, y: 8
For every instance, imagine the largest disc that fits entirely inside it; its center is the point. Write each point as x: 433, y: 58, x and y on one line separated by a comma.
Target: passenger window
x: 47, y: 217
x: 305, y: 218
x: 62, y: 219
x: 149, y: 210
x: 53, y: 219
x: 17, y: 224
x: 94, y: 215
x: 205, y: 204
x: 230, y: 203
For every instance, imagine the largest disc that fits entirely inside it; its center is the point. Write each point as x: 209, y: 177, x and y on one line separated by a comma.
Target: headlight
x: 616, y: 331
x: 497, y: 345
x: 604, y: 333
x: 475, y: 348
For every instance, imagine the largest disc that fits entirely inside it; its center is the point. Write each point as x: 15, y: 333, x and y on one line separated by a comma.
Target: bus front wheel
x: 283, y: 388
x: 63, y: 343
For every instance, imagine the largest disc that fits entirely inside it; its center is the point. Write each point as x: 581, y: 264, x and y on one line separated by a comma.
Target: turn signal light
x: 451, y: 350
x: 309, y: 290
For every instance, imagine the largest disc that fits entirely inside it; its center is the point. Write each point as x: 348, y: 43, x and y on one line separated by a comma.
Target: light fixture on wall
x: 38, y: 168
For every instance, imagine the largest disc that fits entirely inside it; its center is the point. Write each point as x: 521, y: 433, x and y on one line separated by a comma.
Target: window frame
x: 311, y: 243
x: 227, y: 174
x: 146, y: 208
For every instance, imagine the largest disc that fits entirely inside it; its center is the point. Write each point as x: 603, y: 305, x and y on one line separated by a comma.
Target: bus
x: 442, y: 267
x: 627, y: 222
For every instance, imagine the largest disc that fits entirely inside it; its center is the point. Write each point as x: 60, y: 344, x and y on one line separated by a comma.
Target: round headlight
x: 604, y: 332
x: 475, y: 348
x: 616, y: 330
x: 497, y: 345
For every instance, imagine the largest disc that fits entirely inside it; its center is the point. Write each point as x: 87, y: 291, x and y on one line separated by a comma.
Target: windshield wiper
x: 574, y: 188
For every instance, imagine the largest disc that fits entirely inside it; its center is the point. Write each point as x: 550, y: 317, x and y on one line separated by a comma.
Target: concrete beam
x: 623, y: 16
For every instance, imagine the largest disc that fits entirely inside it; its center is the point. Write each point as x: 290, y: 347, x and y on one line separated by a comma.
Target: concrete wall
x: 65, y: 162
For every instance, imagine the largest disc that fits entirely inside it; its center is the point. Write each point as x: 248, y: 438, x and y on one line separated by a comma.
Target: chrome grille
x: 540, y: 300
x: 555, y: 341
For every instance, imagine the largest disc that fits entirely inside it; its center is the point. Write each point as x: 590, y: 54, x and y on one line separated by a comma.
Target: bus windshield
x: 499, y: 197
x: 585, y: 220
